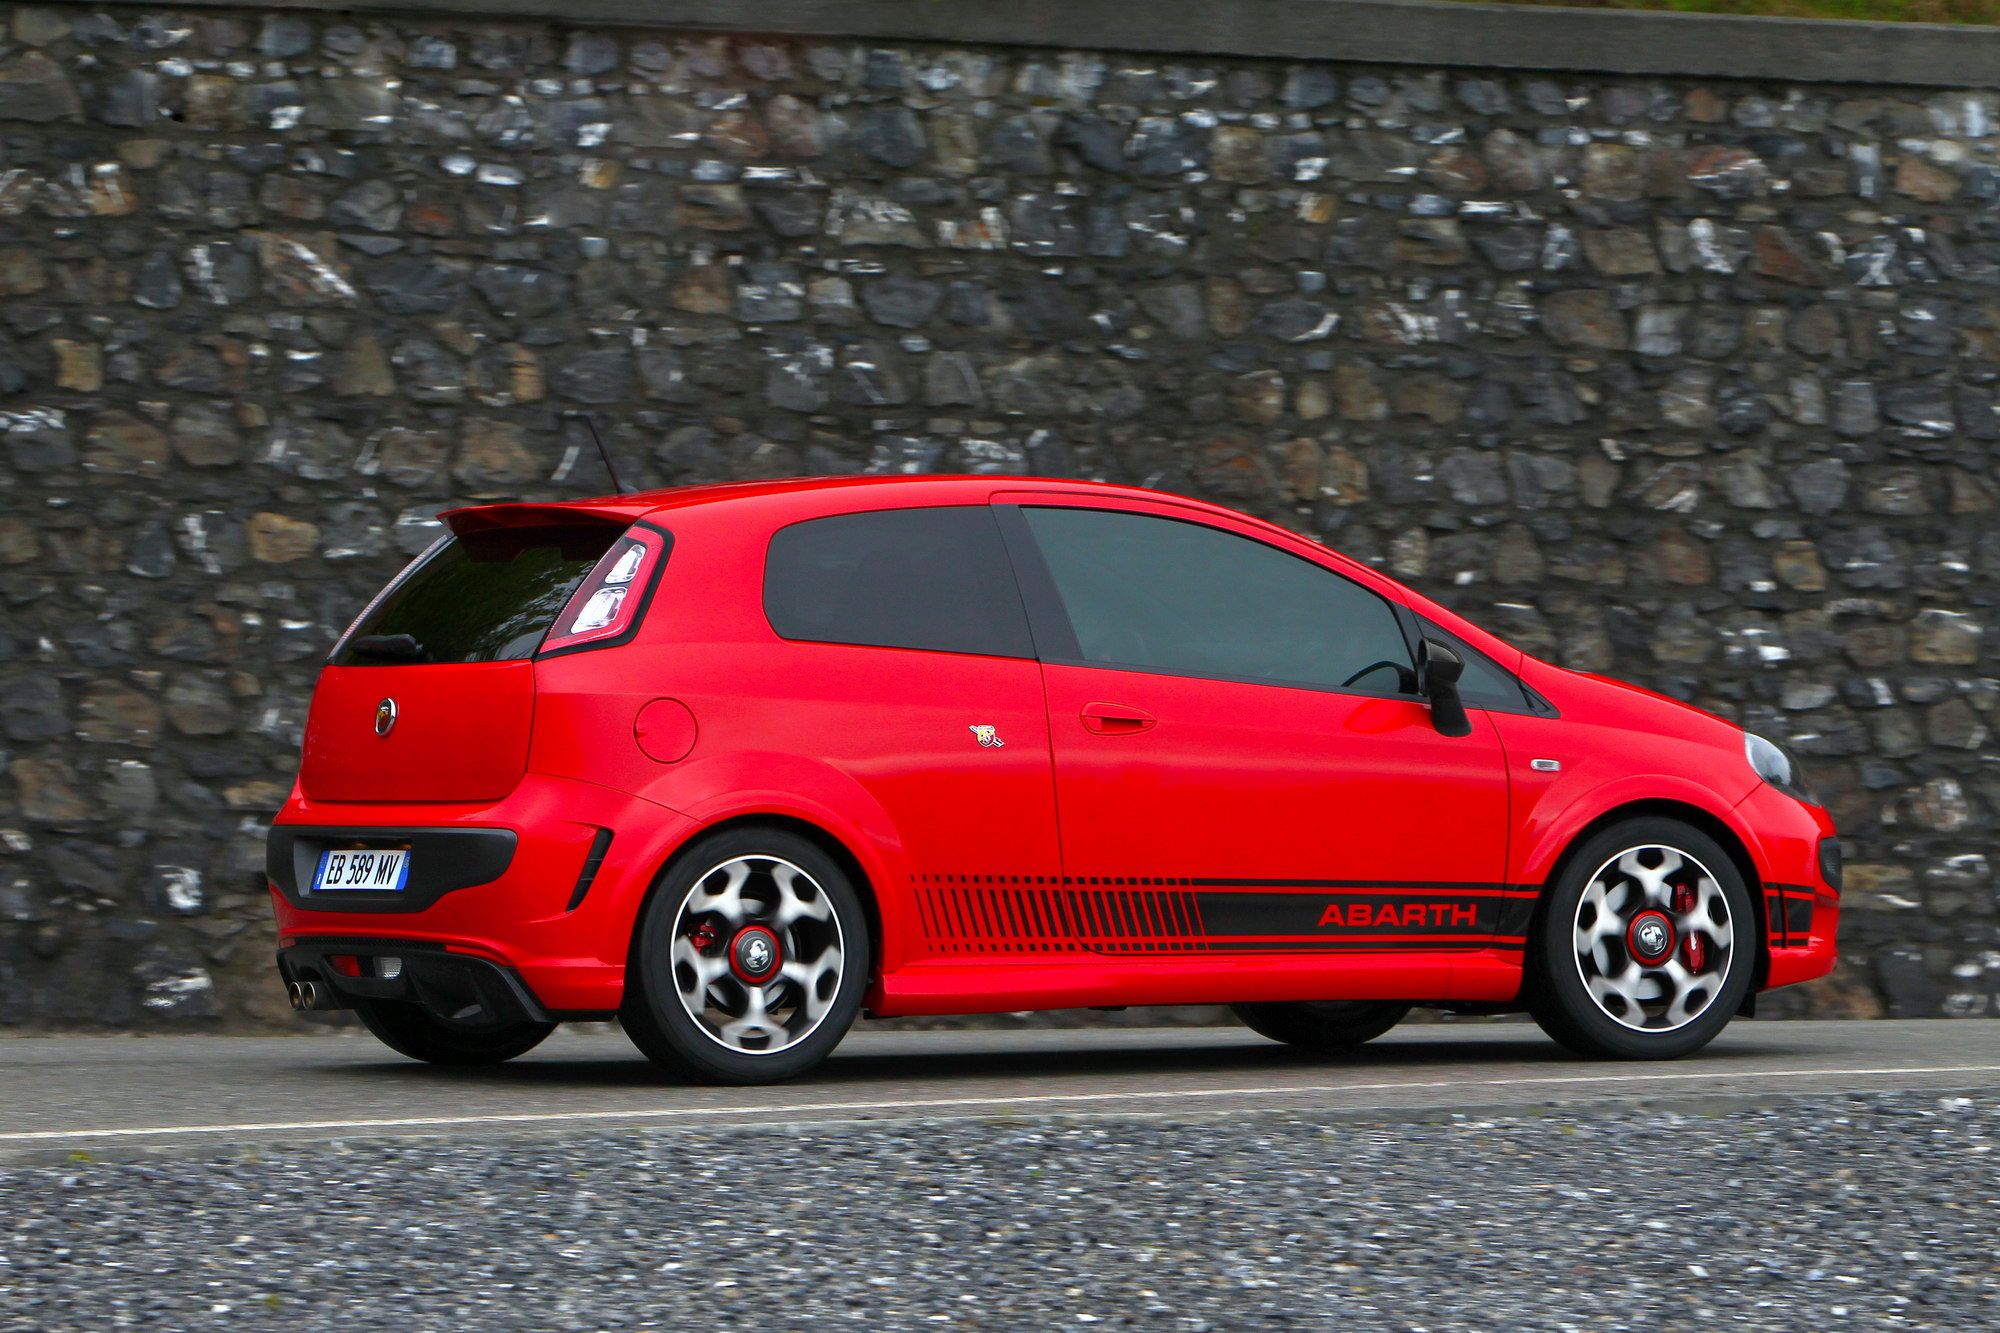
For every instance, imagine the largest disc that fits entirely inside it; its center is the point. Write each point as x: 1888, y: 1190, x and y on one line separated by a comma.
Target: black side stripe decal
x: 1142, y: 914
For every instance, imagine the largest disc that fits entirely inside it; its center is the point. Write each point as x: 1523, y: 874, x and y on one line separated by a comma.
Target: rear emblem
x: 385, y: 717
x: 989, y: 738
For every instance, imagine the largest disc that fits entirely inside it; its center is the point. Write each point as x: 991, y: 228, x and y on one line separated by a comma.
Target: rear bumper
x: 498, y: 883
x: 452, y: 986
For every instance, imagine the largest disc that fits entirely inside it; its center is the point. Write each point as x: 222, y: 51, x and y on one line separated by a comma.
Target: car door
x: 1241, y: 761
x: 907, y: 665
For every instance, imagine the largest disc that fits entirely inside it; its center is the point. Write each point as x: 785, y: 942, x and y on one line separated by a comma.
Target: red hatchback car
x: 739, y: 763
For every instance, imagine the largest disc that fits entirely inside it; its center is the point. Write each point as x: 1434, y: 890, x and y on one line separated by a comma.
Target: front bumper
x: 498, y: 883
x: 1801, y: 908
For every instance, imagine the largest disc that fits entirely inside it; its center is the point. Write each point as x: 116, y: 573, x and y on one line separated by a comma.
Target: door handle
x: 1116, y: 719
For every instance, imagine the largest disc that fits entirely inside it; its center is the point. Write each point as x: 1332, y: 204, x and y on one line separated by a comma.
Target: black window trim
x: 1530, y: 705
x: 1048, y: 618
x: 1013, y: 578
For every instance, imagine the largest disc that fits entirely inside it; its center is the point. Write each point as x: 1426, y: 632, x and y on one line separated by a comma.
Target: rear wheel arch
x: 1695, y: 817
x: 827, y: 842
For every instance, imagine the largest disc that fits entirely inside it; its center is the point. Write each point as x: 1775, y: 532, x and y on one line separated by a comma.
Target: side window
x: 900, y: 578
x: 1485, y: 684
x: 1158, y: 594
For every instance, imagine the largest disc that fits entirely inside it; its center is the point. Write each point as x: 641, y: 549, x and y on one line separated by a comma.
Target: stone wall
x: 1689, y: 382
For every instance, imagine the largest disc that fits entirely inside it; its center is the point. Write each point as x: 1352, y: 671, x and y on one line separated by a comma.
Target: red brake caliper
x: 703, y: 937
x: 1694, y: 948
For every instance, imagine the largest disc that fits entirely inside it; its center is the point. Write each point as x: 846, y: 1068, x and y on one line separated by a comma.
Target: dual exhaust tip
x: 302, y: 994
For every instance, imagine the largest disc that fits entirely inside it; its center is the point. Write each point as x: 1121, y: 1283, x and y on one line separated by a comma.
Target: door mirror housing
x: 1438, y: 670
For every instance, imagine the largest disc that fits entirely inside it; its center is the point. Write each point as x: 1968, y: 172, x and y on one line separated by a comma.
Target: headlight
x: 1771, y: 762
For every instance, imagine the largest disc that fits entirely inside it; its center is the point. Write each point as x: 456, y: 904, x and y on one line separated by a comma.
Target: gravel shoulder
x: 1850, y: 1211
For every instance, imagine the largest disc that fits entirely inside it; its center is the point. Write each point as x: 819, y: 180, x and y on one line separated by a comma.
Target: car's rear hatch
x: 430, y: 696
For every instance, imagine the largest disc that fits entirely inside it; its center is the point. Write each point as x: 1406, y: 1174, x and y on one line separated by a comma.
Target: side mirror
x: 1438, y: 670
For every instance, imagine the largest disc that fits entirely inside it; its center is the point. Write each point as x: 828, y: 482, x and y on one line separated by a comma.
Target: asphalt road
x: 1796, y: 1178
x: 119, y: 1095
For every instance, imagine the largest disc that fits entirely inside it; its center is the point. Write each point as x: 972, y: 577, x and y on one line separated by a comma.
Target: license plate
x: 368, y: 871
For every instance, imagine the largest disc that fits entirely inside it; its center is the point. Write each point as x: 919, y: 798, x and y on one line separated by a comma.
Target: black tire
x: 410, y: 1029
x: 1556, y: 990
x: 1330, y: 1027
x: 664, y: 1028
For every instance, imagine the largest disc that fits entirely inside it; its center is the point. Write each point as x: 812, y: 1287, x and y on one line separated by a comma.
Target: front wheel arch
x: 1697, y: 818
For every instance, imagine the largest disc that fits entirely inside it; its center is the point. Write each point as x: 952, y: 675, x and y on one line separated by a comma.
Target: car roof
x: 637, y: 504
x: 681, y: 496
x: 959, y: 488
x: 962, y: 488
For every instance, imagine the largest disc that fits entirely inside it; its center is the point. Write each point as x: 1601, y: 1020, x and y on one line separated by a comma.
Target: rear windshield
x: 486, y: 597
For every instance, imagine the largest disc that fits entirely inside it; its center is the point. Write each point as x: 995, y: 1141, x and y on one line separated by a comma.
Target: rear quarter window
x: 484, y: 597
x: 935, y: 579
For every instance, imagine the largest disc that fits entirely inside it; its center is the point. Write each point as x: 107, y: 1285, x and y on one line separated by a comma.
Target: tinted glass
x: 1485, y: 683
x: 489, y: 597
x: 1157, y: 594
x: 903, y: 578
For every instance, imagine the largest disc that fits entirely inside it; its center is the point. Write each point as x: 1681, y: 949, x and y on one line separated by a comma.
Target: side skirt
x: 1004, y: 985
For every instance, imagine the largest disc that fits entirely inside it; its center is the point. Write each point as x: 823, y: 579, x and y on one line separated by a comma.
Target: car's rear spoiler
x: 493, y: 518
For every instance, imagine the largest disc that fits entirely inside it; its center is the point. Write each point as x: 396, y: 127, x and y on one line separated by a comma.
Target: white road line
x: 955, y: 1103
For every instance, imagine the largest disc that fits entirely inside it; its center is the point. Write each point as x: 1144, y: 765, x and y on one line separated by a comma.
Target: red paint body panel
x: 460, y: 733
x: 1261, y: 782
x: 572, y: 961
x: 1102, y: 854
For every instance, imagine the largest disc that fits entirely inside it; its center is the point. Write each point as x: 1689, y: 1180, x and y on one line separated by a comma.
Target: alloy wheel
x: 757, y: 954
x: 1654, y: 940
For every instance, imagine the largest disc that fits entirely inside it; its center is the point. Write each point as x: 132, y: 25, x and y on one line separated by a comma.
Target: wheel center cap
x: 754, y: 955
x: 1650, y: 936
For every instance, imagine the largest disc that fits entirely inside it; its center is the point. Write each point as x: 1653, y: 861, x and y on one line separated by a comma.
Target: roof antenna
x: 598, y: 440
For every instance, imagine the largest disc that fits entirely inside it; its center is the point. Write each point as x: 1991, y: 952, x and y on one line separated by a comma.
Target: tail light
x: 606, y: 607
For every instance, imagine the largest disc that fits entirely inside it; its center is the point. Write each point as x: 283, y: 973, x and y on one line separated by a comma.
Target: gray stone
x: 595, y: 377
x: 1474, y: 477
x: 1296, y: 320
x: 1657, y: 331
x: 414, y: 285
x: 429, y: 51
x: 1165, y: 146
x: 285, y: 35
x: 1586, y: 318
x: 157, y: 283
x: 797, y: 382
x: 1178, y: 308
x: 1020, y: 144
x: 1309, y: 87
x: 1819, y: 487
x: 870, y: 376
x: 32, y: 709
x: 1509, y: 249
x: 951, y: 380
x: 151, y: 554
x: 131, y: 100
x: 592, y: 53
x: 376, y: 205
x: 892, y: 136
x: 1925, y: 408
x: 519, y: 292
x: 1854, y: 410
x: 904, y: 303
x: 34, y: 88
x: 1095, y: 142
